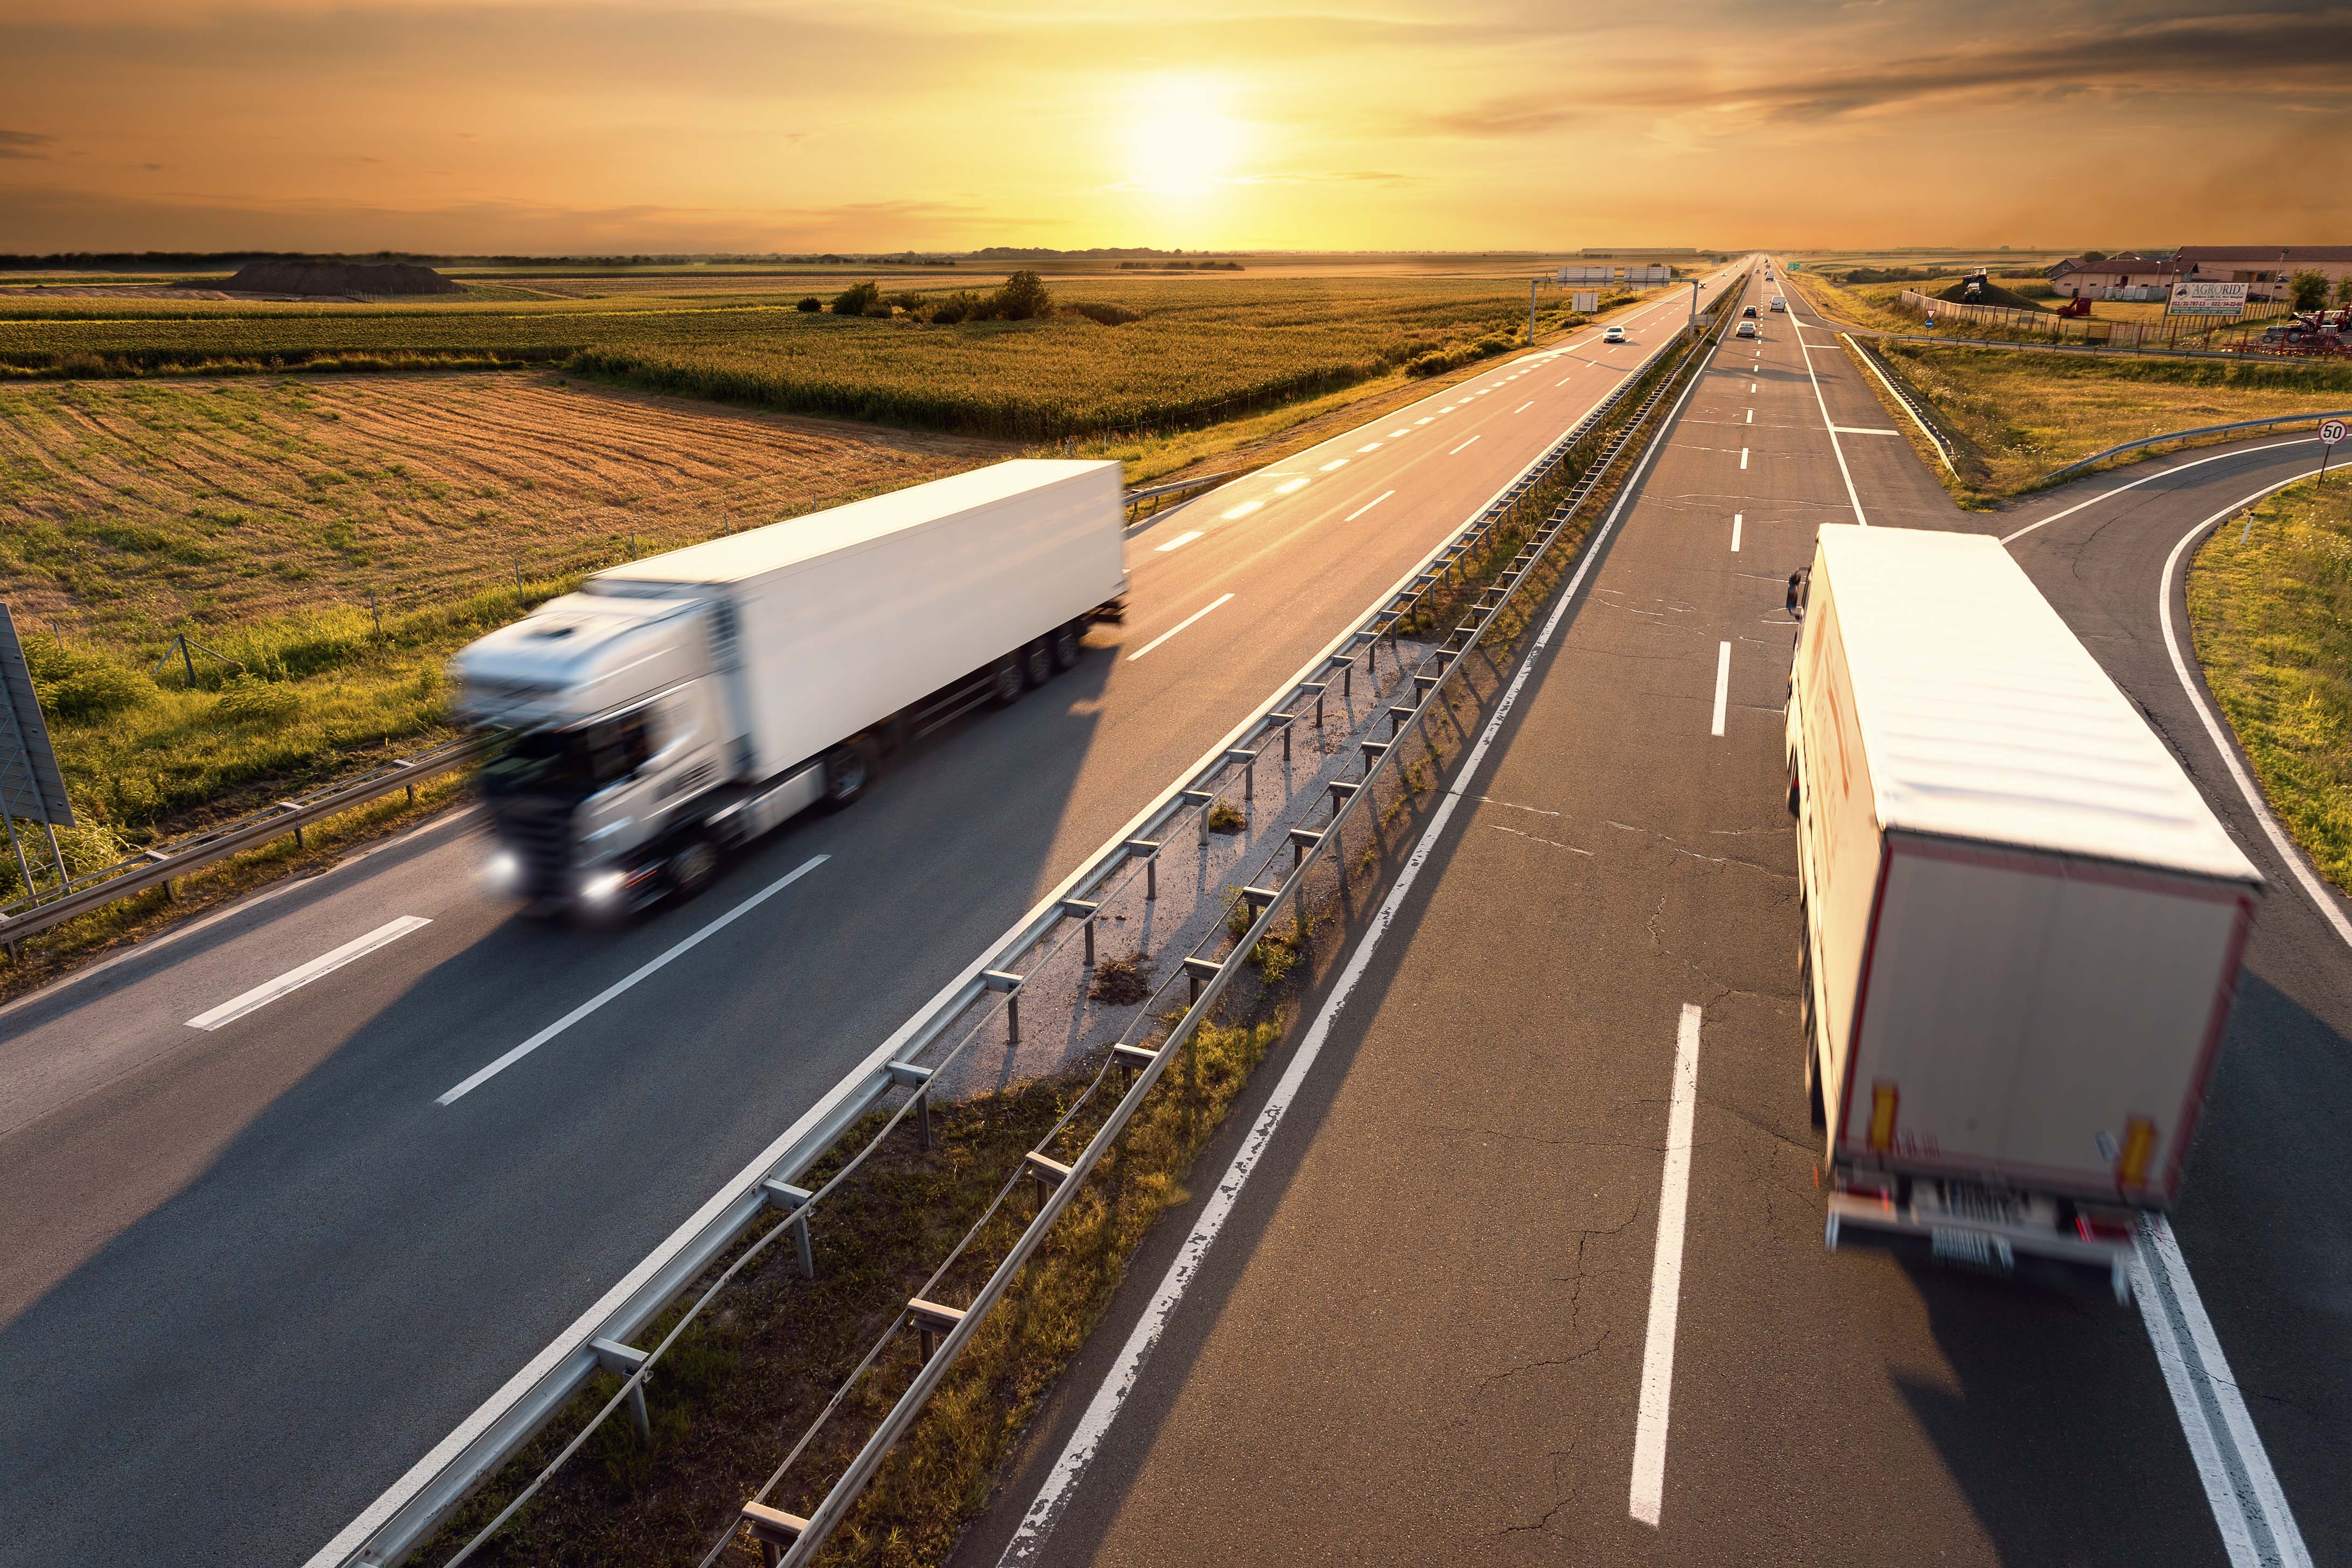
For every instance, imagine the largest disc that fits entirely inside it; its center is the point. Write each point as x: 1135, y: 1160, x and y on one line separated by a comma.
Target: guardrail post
x: 793, y: 1201
x: 773, y: 1528
x: 933, y: 1322
x: 1248, y: 760
x: 1199, y: 971
x: 1319, y: 688
x: 623, y: 1361
x: 1133, y: 1058
x: 1203, y: 799
x: 1009, y: 985
x: 906, y: 1075
x: 1302, y: 839
x: 1284, y: 720
x: 1079, y: 909
x: 1149, y: 849
x: 1048, y: 1173
x: 289, y: 805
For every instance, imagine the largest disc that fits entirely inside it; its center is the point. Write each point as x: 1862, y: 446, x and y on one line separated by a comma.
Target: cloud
x: 1381, y: 177
x: 24, y: 143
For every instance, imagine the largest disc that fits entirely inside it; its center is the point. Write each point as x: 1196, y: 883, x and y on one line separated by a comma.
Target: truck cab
x: 609, y: 723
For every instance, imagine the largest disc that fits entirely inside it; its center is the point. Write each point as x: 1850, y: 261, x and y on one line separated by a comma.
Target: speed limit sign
x: 2331, y: 432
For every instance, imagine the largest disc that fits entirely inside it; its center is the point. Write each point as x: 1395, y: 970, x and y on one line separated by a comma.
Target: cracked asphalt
x: 1420, y: 1338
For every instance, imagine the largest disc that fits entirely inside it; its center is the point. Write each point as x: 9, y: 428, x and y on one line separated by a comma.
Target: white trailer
x: 678, y: 706
x: 2022, y: 924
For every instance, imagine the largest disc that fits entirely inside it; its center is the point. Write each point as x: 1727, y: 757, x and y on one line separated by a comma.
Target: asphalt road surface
x: 250, y: 1270
x: 1529, y: 1265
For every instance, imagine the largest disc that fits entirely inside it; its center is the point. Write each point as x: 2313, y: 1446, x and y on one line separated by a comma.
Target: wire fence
x: 1480, y: 574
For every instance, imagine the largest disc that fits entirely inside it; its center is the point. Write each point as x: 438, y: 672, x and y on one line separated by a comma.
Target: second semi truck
x: 2021, y: 923
x: 679, y: 705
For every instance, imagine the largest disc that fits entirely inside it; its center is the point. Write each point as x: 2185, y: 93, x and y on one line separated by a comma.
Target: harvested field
x: 259, y: 514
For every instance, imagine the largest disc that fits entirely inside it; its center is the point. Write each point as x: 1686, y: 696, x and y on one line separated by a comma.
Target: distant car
x: 1750, y: 313
x: 1779, y: 302
x: 1746, y: 330
x: 1614, y: 335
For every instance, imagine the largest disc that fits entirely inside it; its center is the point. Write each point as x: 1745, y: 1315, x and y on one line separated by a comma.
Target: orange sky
x: 569, y: 125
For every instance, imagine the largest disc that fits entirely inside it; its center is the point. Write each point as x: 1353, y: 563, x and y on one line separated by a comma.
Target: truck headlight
x: 502, y: 871
x: 600, y: 888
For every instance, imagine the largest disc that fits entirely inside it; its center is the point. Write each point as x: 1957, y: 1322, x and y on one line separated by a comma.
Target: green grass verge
x: 2271, y: 608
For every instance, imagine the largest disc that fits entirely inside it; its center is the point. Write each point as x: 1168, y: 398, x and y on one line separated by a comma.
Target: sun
x: 1182, y: 140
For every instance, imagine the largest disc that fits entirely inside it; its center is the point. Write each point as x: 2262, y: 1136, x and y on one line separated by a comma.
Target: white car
x: 1612, y: 334
x: 1746, y: 330
x: 1779, y: 302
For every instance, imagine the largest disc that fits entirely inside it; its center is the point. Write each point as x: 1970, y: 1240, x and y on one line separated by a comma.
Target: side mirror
x: 1799, y: 582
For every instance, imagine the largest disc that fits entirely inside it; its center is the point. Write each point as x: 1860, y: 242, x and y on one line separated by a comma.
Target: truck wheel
x: 1005, y: 681
x: 693, y: 867
x: 1814, y: 1103
x: 849, y: 769
x: 1037, y: 662
x: 1069, y: 646
x: 1792, y: 795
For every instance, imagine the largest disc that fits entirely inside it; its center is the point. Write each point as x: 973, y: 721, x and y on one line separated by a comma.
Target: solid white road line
x: 262, y: 996
x: 1243, y: 510
x: 2257, y: 1528
x: 1722, y: 682
x: 2150, y: 478
x: 1178, y: 542
x: 1464, y: 446
x: 1797, y: 331
x: 1735, y: 531
x: 619, y: 986
x: 1864, y: 430
x: 1648, y: 1495
x: 2284, y: 847
x: 1368, y: 506
x: 1125, y: 1374
x: 1178, y: 626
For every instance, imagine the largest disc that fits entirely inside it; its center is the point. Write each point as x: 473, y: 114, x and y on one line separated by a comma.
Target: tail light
x: 2104, y: 1224
x: 2138, y: 1153
x: 1882, y: 1102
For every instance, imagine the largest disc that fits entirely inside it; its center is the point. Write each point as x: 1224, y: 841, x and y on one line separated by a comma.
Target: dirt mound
x: 338, y: 277
x: 1990, y: 294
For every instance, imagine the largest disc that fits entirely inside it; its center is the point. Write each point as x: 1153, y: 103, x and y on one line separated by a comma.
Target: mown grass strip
x: 2270, y: 607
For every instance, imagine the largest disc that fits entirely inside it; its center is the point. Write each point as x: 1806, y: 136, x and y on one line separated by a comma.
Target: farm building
x: 2265, y: 269
x: 2127, y: 275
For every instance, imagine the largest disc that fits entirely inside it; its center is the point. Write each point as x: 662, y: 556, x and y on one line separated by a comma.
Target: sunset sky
x: 569, y: 125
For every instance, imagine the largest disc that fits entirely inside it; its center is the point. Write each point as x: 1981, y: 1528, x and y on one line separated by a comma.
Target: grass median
x: 2270, y: 606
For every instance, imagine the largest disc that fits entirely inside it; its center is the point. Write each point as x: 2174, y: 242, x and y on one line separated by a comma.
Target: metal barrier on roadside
x: 1147, y: 501
x: 2055, y: 475
x: 1904, y: 399
x: 414, y: 1507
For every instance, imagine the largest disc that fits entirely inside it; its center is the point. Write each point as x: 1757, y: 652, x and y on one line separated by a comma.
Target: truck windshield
x: 575, y: 762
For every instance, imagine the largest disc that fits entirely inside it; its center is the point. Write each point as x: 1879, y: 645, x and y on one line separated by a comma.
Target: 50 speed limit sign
x: 2331, y: 432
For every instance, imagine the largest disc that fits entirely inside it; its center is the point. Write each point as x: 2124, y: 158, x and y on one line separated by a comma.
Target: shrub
x: 855, y: 299
x: 810, y: 304
x: 1108, y: 315
x: 1021, y: 297
x: 880, y: 311
x: 78, y: 684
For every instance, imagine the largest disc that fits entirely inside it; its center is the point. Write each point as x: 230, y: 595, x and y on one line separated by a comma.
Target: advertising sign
x: 1585, y: 300
x: 2207, y: 299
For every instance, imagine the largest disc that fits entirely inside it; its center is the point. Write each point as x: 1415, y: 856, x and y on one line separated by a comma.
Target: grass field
x: 2019, y: 415
x: 259, y: 514
x: 1203, y: 348
x: 2271, y: 609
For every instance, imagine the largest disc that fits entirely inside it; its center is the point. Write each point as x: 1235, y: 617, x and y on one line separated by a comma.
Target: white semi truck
x: 682, y: 705
x: 2021, y: 923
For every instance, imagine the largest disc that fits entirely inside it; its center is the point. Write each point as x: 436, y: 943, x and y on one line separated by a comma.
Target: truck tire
x: 1037, y: 662
x: 1814, y: 1105
x: 849, y: 768
x: 1069, y: 645
x: 693, y: 867
x: 1004, y: 687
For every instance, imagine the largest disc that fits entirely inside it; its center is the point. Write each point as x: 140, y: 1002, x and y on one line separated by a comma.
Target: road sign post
x: 2331, y: 431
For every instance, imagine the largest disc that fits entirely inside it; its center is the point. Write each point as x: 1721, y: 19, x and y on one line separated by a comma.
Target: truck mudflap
x: 1963, y: 1225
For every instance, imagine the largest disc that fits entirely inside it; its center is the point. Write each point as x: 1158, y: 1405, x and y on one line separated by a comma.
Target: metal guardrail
x: 409, y: 1511
x: 1903, y: 399
x: 2076, y: 467
x: 152, y: 867
x: 1159, y: 495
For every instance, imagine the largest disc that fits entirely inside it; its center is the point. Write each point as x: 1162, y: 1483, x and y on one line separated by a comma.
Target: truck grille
x: 540, y: 837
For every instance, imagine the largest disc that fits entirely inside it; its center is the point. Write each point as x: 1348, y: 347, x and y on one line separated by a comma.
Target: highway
x: 259, y: 1259
x: 1520, y: 1252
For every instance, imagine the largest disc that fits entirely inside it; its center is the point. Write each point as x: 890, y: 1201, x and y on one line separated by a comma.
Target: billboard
x: 1586, y: 301
x: 30, y: 785
x: 2207, y: 299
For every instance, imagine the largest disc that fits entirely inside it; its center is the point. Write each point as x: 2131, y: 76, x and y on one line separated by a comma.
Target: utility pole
x: 1531, y: 310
